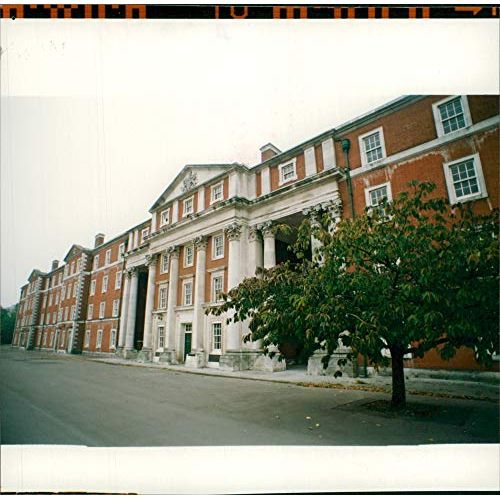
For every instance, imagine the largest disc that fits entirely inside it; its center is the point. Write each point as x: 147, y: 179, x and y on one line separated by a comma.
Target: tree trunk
x: 398, y: 380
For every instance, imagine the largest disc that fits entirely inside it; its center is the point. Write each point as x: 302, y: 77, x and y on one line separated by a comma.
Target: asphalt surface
x: 50, y: 399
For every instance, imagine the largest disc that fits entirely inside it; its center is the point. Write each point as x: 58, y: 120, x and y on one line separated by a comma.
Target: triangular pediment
x: 189, y: 179
x: 34, y: 274
x: 74, y: 251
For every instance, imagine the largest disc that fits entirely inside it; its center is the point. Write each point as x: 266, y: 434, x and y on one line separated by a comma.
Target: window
x: 57, y: 298
x: 218, y: 247
x: 216, y: 336
x: 161, y: 337
x: 451, y: 114
x: 98, y: 342
x: 116, y: 307
x: 44, y: 301
x: 188, y: 206
x: 371, y: 146
x: 96, y: 262
x: 164, y: 263
x: 73, y: 312
x: 75, y: 289
x: 287, y: 172
x: 144, y: 235
x: 188, y: 293
x: 104, y: 287
x: 118, y: 280
x: 162, y: 302
x: 102, y: 306
x: 50, y: 299
x: 59, y: 315
x: 165, y: 217
x: 107, y: 257
x: 66, y: 313
x: 216, y: 192
x: 217, y: 287
x: 63, y: 292
x: 92, y: 287
x: 72, y: 268
x: 90, y: 311
x: 188, y: 256
x: 374, y: 195
x: 86, y: 342
x: 45, y: 338
x: 78, y: 265
x: 68, y: 291
x: 54, y: 317
x: 112, y: 339
x: 121, y: 251
x: 464, y: 179
x: 66, y: 270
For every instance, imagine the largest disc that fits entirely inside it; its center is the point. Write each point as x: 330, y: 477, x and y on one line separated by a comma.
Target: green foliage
x: 7, y: 324
x: 409, y: 276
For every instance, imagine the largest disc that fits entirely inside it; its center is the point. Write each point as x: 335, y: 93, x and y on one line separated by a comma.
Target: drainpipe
x: 346, y: 146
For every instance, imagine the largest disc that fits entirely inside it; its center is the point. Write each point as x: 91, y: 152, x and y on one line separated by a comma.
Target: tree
x: 405, y: 277
x: 7, y: 323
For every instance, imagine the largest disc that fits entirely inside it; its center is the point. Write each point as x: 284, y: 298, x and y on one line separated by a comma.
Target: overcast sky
x: 97, y: 117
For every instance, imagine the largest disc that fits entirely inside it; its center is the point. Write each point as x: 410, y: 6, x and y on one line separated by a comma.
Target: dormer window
x: 288, y: 172
x: 188, y: 206
x: 165, y: 217
x: 216, y: 193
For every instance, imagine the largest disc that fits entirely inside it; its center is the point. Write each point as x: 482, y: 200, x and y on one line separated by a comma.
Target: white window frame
x: 118, y: 280
x: 66, y: 313
x: 90, y: 312
x: 362, y: 149
x: 50, y: 299
x: 160, y: 334
x: 102, y: 309
x: 121, y: 251
x: 73, y: 312
x: 54, y: 317
x: 185, y: 213
x: 165, y: 214
x: 282, y: 166
x: 144, y: 234
x: 479, y: 175
x: 95, y: 264
x: 368, y: 190
x: 107, y: 257
x: 164, y: 263
x: 92, y: 287
x: 72, y: 268
x: 437, y: 115
x: 78, y: 265
x: 116, y: 308
x: 104, y: 284
x: 186, y: 262
x: 75, y: 290
x: 214, y: 246
x: 112, y: 338
x: 185, y: 285
x: 213, y: 279
x: 212, y: 337
x: 86, y: 341
x: 98, y: 340
x: 213, y: 188
x: 163, y: 297
x: 68, y: 291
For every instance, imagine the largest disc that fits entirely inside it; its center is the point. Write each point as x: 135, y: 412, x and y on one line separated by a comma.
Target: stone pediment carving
x: 189, y: 182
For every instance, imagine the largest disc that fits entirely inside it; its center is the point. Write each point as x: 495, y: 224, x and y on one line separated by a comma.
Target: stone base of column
x: 126, y: 353
x: 236, y: 361
x: 145, y: 355
x: 196, y: 360
x: 168, y: 358
x: 315, y: 365
x: 264, y: 363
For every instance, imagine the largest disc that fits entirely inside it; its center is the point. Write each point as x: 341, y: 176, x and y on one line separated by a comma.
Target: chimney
x: 55, y: 265
x: 99, y: 239
x: 268, y: 151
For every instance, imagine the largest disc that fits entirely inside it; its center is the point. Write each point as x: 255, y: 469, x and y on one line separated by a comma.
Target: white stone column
x: 313, y: 214
x: 124, y: 311
x: 199, y: 293
x: 132, y: 309
x: 233, y: 232
x: 255, y: 261
x: 269, y: 244
x: 172, y: 298
x: 147, y: 343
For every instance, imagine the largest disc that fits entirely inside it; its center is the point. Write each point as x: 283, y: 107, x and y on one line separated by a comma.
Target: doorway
x: 188, y: 332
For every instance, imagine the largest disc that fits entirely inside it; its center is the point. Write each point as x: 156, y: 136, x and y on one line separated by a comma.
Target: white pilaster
x: 172, y: 297
x: 233, y: 232
x: 147, y: 344
x: 255, y: 251
x: 153, y: 223
x: 132, y: 310
x: 265, y: 180
x: 233, y: 184
x: 310, y: 161
x: 124, y: 311
x: 175, y: 211
x: 328, y: 153
x: 201, y: 199
x: 199, y: 293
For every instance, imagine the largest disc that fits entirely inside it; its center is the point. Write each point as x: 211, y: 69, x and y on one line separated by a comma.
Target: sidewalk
x: 297, y: 375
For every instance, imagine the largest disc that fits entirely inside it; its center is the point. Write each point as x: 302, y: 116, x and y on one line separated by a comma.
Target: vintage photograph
x: 238, y: 234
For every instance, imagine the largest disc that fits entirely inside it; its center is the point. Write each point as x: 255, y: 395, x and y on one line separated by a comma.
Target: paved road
x: 49, y: 399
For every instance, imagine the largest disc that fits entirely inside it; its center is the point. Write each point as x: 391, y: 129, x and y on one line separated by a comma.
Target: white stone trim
x: 212, y: 189
x: 215, y: 257
x: 184, y: 201
x: 372, y: 188
x: 201, y: 199
x: 480, y: 178
x: 437, y: 115
x: 265, y: 181
x: 213, y: 276
x: 362, y: 151
x: 310, y: 161
x: 162, y: 223
x: 328, y: 151
x: 281, y: 166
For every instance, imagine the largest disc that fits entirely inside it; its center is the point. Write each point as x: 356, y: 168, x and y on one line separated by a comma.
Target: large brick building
x: 144, y: 293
